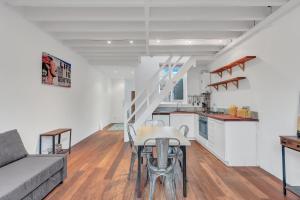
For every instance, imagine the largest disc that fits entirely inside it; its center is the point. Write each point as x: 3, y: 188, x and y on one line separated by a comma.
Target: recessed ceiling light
x: 108, y: 42
x: 131, y: 41
x: 189, y: 42
x: 157, y: 41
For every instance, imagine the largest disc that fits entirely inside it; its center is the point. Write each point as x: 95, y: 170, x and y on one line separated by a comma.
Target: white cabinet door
x: 184, y: 119
x: 164, y: 118
x: 196, y: 126
x: 211, y: 133
x: 216, y: 137
x: 219, y: 139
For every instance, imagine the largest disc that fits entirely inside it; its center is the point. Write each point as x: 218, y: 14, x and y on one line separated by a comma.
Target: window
x: 178, y: 94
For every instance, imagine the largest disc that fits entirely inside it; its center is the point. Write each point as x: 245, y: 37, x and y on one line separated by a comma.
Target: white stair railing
x: 150, y: 97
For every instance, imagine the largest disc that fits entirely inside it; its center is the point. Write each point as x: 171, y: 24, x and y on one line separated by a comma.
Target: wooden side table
x: 291, y: 142
x: 53, y: 134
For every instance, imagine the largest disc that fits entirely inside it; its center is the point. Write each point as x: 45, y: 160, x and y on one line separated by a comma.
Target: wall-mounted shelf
x: 234, y: 81
x: 238, y: 63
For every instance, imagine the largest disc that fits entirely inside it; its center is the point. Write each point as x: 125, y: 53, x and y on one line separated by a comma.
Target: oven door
x: 203, y: 128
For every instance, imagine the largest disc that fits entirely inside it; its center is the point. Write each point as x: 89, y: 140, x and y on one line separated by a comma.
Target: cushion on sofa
x: 25, y: 175
x: 11, y: 147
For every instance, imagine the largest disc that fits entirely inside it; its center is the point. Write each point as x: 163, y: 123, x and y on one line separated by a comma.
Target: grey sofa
x: 27, y: 177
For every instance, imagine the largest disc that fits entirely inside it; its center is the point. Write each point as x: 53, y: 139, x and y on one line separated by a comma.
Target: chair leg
x: 133, y: 158
x: 152, y: 185
x: 180, y: 165
x: 170, y: 183
x: 147, y: 175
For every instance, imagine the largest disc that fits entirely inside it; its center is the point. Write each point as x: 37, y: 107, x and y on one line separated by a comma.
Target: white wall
x: 272, y: 89
x: 194, y: 81
x: 117, y: 100
x: 146, y: 69
x: 129, y: 87
x: 33, y: 108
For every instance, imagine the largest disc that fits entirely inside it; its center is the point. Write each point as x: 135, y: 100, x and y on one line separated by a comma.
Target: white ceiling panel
x: 120, y: 31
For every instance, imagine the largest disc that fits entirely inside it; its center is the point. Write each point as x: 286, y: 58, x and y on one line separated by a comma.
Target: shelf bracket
x: 229, y: 71
x: 220, y: 74
x: 225, y: 86
x: 242, y: 66
x: 236, y: 83
x: 216, y: 87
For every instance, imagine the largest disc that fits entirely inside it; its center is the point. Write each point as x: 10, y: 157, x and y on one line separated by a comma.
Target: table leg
x: 70, y: 141
x: 40, y: 149
x: 184, y: 179
x: 139, y: 174
x: 53, y: 144
x: 59, y: 138
x: 283, y: 170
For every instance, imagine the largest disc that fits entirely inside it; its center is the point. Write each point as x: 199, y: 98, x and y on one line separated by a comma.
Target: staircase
x: 150, y: 97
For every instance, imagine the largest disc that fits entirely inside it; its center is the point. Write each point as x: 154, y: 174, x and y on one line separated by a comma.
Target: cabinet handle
x: 298, y: 145
x: 283, y: 142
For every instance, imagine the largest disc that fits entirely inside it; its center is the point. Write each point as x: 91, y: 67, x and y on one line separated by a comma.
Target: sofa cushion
x: 25, y: 175
x: 11, y: 147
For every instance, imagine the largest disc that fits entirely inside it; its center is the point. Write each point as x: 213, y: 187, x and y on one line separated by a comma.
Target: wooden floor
x: 98, y: 169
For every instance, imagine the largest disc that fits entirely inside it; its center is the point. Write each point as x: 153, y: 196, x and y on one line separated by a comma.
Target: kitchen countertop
x: 174, y: 112
x: 225, y: 117
x: 221, y: 117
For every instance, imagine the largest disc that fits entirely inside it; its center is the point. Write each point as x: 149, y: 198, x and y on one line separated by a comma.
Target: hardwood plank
x: 98, y: 169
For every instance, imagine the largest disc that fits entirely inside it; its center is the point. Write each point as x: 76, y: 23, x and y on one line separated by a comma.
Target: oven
x: 203, y: 131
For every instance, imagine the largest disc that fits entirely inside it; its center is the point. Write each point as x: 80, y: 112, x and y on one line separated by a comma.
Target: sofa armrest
x: 63, y: 156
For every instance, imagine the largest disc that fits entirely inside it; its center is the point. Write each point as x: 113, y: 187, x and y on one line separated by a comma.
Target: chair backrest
x: 162, y: 149
x: 154, y: 123
x: 184, y: 129
x: 131, y: 134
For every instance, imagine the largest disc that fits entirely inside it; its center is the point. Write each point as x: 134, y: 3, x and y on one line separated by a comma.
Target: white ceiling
x: 154, y: 27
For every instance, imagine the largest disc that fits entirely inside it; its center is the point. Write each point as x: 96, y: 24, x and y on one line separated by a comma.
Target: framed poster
x: 55, y: 71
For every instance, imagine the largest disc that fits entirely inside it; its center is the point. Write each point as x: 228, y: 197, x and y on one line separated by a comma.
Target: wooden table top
x: 147, y: 132
x: 56, y: 132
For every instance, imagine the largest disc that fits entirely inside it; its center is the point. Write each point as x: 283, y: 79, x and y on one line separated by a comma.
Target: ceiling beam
x: 201, y: 26
x: 210, y: 14
x: 130, y: 54
x: 103, y: 43
x: 100, y: 36
x: 138, y: 15
x: 92, y: 26
x: 137, y: 3
x: 195, y: 35
x: 140, y: 26
x: 195, y: 48
x: 95, y: 36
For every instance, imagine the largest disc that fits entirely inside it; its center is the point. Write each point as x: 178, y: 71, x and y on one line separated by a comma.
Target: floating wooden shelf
x: 238, y: 63
x: 234, y: 81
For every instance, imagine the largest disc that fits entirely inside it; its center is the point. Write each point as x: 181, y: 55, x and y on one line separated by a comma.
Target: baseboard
x: 108, y: 126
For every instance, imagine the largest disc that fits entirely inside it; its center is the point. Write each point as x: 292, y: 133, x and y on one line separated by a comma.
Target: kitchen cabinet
x: 163, y: 117
x: 216, y: 137
x: 233, y: 142
x: 189, y: 119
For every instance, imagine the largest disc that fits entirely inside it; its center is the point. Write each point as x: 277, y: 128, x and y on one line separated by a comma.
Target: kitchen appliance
x: 203, y: 131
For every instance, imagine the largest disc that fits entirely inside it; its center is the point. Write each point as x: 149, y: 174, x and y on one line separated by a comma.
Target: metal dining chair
x: 154, y: 123
x: 134, y: 152
x: 184, y: 129
x: 163, y: 165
